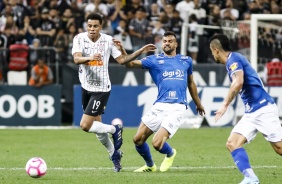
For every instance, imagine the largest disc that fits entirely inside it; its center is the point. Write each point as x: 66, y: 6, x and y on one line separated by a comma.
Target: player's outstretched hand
x: 201, y: 110
x: 219, y: 113
x: 148, y: 48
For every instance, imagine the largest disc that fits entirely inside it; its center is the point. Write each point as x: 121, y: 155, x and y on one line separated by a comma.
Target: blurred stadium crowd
x: 54, y: 23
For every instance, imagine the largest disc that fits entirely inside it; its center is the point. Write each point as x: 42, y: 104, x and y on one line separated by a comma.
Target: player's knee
x: 84, y: 126
x: 156, y: 145
x: 137, y: 141
x: 230, y: 145
x: 279, y: 151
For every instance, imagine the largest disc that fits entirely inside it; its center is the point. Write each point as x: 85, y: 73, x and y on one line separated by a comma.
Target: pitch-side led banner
x: 30, y: 106
x: 131, y: 103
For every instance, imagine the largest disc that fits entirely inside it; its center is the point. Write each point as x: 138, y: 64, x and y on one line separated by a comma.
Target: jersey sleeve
x: 233, y: 66
x: 77, y: 44
x: 115, y: 52
x: 190, y: 69
x: 188, y: 62
x: 147, y: 62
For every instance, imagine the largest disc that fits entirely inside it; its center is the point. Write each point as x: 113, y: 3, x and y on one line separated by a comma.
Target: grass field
x: 76, y: 157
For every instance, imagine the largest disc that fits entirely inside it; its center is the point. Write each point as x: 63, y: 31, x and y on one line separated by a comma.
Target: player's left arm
x: 194, y: 94
x: 125, y: 58
x: 131, y: 64
x: 235, y: 87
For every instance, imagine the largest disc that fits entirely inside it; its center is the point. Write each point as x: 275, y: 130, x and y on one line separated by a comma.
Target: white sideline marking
x: 132, y: 168
x: 40, y: 127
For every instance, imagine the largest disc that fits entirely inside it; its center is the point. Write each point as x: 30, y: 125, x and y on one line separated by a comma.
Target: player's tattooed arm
x: 123, y: 51
x: 123, y: 59
x: 119, y: 46
x: 235, y: 87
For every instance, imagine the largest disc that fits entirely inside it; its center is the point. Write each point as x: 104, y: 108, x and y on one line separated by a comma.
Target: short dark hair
x: 223, y: 41
x: 94, y: 16
x: 169, y: 33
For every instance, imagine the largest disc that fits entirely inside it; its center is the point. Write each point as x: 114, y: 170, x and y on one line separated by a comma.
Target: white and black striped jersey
x: 94, y: 75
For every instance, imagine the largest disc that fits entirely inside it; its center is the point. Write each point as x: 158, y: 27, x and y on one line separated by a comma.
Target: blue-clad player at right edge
x: 261, y: 113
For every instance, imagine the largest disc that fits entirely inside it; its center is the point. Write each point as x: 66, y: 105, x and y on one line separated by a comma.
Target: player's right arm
x: 79, y: 59
x: 77, y: 50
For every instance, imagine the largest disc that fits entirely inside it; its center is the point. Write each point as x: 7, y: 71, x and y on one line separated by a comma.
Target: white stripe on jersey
x: 94, y: 75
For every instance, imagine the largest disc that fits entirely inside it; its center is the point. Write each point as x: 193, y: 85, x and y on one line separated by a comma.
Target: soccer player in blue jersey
x: 261, y: 113
x: 172, y: 73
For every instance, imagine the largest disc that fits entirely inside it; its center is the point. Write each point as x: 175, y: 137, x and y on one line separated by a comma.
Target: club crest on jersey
x: 234, y: 66
x: 161, y: 62
x: 101, y: 47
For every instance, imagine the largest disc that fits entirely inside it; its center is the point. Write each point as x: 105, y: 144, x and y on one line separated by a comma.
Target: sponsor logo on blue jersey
x: 172, y: 95
x: 168, y: 74
x: 177, y: 73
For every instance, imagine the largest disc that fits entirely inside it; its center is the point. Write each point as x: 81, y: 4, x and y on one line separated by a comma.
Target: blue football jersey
x: 252, y: 93
x: 170, y: 74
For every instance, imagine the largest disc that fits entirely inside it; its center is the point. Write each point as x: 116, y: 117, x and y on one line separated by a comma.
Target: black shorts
x: 94, y: 103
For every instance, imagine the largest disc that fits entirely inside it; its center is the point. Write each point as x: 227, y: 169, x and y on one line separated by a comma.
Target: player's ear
x: 215, y: 50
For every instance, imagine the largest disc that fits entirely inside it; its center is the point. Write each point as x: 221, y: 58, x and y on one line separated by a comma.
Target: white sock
x: 106, y: 141
x: 249, y: 173
x: 99, y: 127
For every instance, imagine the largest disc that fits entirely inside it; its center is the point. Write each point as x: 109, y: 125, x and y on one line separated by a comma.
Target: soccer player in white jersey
x: 261, y: 113
x: 91, y: 51
x: 172, y: 73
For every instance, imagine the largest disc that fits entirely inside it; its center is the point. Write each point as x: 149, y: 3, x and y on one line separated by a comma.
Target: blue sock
x: 144, y: 151
x: 166, y: 149
x: 241, y: 159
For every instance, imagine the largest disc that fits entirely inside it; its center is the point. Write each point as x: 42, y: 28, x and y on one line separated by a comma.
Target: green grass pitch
x: 76, y: 157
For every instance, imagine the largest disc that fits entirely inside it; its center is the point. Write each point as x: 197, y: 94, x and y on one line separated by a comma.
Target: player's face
x: 169, y: 44
x: 93, y: 28
x: 215, y: 54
